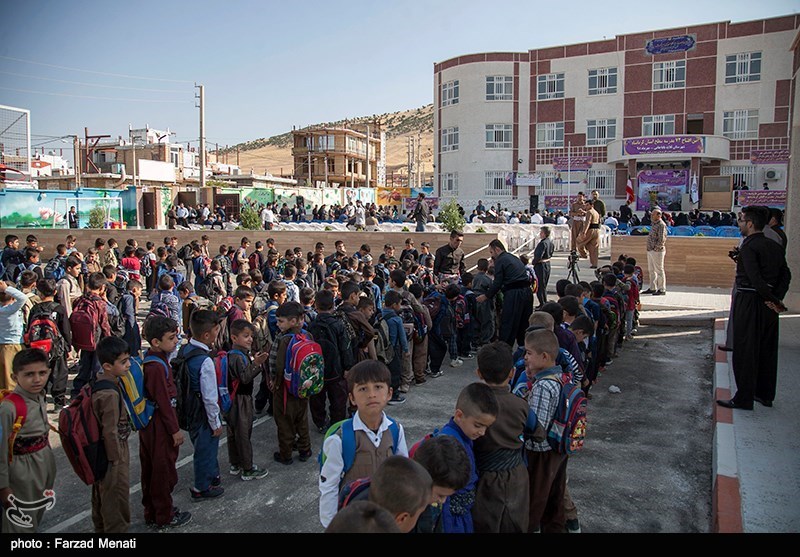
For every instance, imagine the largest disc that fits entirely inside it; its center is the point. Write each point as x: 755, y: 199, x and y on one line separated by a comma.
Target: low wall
x: 690, y: 261
x: 50, y: 238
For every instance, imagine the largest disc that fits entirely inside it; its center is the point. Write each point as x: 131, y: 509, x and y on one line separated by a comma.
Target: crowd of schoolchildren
x: 336, y: 335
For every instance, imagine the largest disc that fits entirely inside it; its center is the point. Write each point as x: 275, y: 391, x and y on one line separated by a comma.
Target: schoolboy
x: 93, y: 303
x: 369, y: 275
x: 27, y: 285
x: 32, y: 468
x: 476, y: 410
x: 68, y: 288
x: 160, y: 440
x: 403, y: 487
x: 31, y: 263
x: 57, y: 383
x: 419, y: 358
x: 111, y: 513
x: 368, y: 383
x: 242, y: 369
x: 502, y: 494
x: 276, y: 290
x: 484, y: 311
x: 292, y: 291
x: 360, y: 323
x: 308, y: 300
x: 398, y: 340
x: 457, y: 315
x: 363, y: 517
x: 633, y: 299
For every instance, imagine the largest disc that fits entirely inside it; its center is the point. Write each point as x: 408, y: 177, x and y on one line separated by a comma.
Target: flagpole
x: 569, y: 175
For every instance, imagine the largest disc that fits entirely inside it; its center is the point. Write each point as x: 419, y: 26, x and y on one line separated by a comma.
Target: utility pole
x: 308, y: 151
x: 368, y: 165
x: 76, y: 148
x: 202, y: 97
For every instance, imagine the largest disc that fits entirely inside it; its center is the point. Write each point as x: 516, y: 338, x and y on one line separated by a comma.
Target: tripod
x: 572, y: 268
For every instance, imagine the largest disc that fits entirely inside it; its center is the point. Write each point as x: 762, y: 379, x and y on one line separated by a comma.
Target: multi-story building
x: 662, y: 109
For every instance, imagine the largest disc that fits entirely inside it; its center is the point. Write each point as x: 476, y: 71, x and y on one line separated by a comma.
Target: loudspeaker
x: 300, y: 201
x: 534, y: 203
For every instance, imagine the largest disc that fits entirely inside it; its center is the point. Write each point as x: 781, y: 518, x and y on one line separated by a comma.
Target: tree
x: 97, y: 217
x: 250, y: 219
x: 450, y: 217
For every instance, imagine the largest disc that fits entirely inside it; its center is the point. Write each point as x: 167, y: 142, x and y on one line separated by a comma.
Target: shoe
x: 573, y: 526
x: 731, y: 404
x: 277, y: 458
x: 305, y: 455
x: 660, y: 293
x: 762, y: 402
x: 648, y: 291
x: 420, y: 381
x: 255, y: 473
x: 179, y: 518
x: 592, y: 267
x: 210, y: 493
x: 234, y: 470
x: 216, y: 482
x: 435, y: 374
x: 724, y: 348
x: 466, y: 356
x: 397, y: 398
x: 456, y: 363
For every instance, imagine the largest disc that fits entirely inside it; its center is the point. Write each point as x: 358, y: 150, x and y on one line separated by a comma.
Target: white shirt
x: 561, y: 220
x: 206, y: 212
x: 350, y: 210
x: 264, y: 214
x: 183, y: 212
x: 536, y: 218
x: 513, y: 220
x: 208, y: 387
x: 333, y: 469
x: 360, y: 215
x: 611, y: 221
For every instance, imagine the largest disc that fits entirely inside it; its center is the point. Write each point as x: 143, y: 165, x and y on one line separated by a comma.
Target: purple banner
x: 660, y: 187
x: 681, y: 43
x: 664, y: 177
x: 664, y: 144
x: 577, y: 164
x: 558, y: 202
x: 769, y: 156
x: 410, y: 203
x: 770, y: 198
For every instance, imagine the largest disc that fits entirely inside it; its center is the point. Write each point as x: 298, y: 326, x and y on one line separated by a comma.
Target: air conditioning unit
x: 772, y: 174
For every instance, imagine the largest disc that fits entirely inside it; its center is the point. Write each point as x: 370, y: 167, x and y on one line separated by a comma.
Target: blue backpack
x: 131, y: 389
x: 226, y: 394
x: 349, y: 442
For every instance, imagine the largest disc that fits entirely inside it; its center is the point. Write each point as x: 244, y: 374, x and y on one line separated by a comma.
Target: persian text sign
x: 663, y: 144
x: 572, y: 163
x: 556, y: 202
x: 667, y: 45
x: 769, y: 156
x: 770, y: 198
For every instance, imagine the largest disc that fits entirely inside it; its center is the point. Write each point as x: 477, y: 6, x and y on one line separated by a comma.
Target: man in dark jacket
x: 541, y: 263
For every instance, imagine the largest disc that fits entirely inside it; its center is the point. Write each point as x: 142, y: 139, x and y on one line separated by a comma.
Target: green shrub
x: 97, y: 217
x: 250, y: 219
x: 450, y: 217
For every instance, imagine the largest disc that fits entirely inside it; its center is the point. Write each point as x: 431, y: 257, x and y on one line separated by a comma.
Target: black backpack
x: 325, y: 336
x: 185, y: 253
x: 366, y: 288
x: 188, y: 404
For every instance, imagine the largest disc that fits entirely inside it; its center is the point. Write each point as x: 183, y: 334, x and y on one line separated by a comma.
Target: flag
x: 693, y: 195
x: 629, y: 197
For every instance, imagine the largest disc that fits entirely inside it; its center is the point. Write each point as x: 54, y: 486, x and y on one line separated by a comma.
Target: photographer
x: 541, y: 263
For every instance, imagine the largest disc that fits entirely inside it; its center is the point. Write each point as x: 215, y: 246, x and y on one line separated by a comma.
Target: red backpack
x: 85, y: 324
x: 80, y: 435
x: 21, y: 411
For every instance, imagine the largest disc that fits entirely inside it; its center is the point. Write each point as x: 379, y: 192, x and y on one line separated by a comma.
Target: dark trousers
x: 157, y: 457
x: 58, y: 381
x: 264, y: 395
x: 396, y: 368
x: 88, y: 367
x: 755, y: 349
x: 484, y: 321
x: 437, y: 348
x: 542, y: 271
x: 547, y: 474
x: 240, y: 430
x: 206, y: 463
x: 336, y: 394
x: 465, y: 339
x: 291, y: 419
x: 517, y: 309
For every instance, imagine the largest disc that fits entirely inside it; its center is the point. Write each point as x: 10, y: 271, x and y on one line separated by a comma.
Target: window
x: 669, y: 75
x: 331, y: 165
x: 743, y: 67
x: 740, y: 124
x: 498, y: 184
x: 325, y: 143
x: 551, y: 86
x: 449, y: 139
x: 742, y: 175
x: 450, y: 93
x: 499, y: 87
x: 660, y: 124
x: 603, y: 81
x: 549, y: 135
x: 448, y: 184
x: 604, y: 181
x: 174, y: 157
x: 357, y: 146
x: 498, y: 136
x: 601, y: 132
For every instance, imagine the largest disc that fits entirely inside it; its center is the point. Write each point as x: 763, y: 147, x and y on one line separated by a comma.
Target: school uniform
x: 399, y: 341
x: 484, y: 311
x: 57, y: 382
x: 10, y: 335
x: 334, y: 389
x: 111, y: 513
x: 420, y: 348
x: 457, y: 510
x: 289, y: 412
x: 203, y: 380
x: 240, y: 416
x: 33, y: 467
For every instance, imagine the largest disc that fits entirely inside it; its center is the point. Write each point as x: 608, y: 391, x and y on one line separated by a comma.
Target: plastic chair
x: 705, y: 231
x: 728, y: 232
x: 682, y: 230
x: 623, y: 227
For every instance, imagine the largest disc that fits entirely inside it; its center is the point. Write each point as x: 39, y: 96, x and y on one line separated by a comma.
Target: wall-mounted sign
x: 667, y: 45
x: 769, y: 156
x: 661, y: 144
x: 572, y: 163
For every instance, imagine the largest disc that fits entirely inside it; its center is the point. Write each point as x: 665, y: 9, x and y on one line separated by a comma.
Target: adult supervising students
x: 577, y: 215
x: 511, y: 278
x: 541, y: 263
x: 656, y: 250
x: 421, y: 213
x: 449, y: 259
x: 762, y: 280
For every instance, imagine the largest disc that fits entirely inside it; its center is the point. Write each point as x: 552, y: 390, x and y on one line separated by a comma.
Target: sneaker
x: 660, y: 293
x: 216, y: 482
x: 435, y: 374
x: 305, y: 455
x: 573, y: 526
x: 456, y: 363
x: 277, y: 457
x: 179, y: 518
x: 255, y: 473
x: 397, y: 398
x: 234, y: 470
x: 210, y: 493
x: 466, y: 356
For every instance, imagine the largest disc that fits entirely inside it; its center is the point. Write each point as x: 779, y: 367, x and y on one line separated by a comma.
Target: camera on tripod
x: 572, y: 267
x: 573, y: 258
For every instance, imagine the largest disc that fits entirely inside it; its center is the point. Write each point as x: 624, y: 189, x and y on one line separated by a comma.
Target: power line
x: 95, y: 72
x: 92, y: 97
x: 94, y: 84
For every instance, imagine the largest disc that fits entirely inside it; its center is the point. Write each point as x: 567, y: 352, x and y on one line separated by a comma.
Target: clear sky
x: 267, y: 65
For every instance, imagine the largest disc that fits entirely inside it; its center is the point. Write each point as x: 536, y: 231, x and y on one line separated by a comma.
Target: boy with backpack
x: 419, y: 358
x: 89, y: 323
x: 190, y: 302
x: 242, y: 368
x: 256, y: 259
x: 502, y: 494
x: 372, y: 290
x: 27, y: 463
x: 633, y: 299
x: 68, y: 288
x: 329, y: 331
x: 266, y: 325
x: 163, y: 302
x: 458, y: 320
x: 369, y: 389
x: 49, y: 322
x: 11, y: 258
x: 128, y: 308
x: 131, y: 263
x: 364, y: 333
x: 201, y: 266
x: 213, y: 287
x: 292, y: 291
x: 30, y: 263
x: 413, y: 324
x: 394, y: 341
x: 240, y: 262
x: 160, y: 440
x: 111, y: 513
x: 55, y: 267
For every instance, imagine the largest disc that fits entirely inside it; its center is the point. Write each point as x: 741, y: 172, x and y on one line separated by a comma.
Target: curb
x: 726, y: 499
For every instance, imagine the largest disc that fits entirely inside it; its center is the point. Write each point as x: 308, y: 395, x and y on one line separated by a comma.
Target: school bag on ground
x: 304, y: 371
x: 226, y: 387
x: 85, y: 324
x: 80, y: 435
x: 567, y: 432
x: 131, y: 389
x: 348, y: 434
x: 188, y: 403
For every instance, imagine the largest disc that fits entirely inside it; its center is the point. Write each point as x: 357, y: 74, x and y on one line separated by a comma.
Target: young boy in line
x: 111, y: 513
x: 397, y: 282
x: 68, y: 288
x: 419, y: 358
x: 93, y: 303
x: 369, y: 276
x: 129, y: 306
x: 290, y: 412
x: 242, y: 369
x: 403, y: 487
x: 31, y: 263
x: 57, y: 383
x: 292, y: 291
x: 476, y: 410
x: 348, y: 309
x: 32, y: 470
x: 164, y: 298
x: 160, y: 440
x: 363, y: 517
x: 368, y: 383
x: 308, y: 300
x: 265, y: 338
x: 502, y: 494
x: 457, y: 313
x: 547, y: 469
x: 398, y: 341
x: 207, y: 428
x: 633, y: 299
x: 27, y: 285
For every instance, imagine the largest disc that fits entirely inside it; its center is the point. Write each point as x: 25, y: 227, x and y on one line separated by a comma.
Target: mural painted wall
x: 129, y: 207
x: 41, y: 208
x: 392, y: 196
x: 258, y: 196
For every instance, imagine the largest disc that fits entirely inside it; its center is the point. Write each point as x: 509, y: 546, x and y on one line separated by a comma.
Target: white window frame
x: 602, y: 180
x: 499, y: 136
x: 601, y: 131
x: 669, y: 75
x: 449, y: 140
x: 740, y: 124
x: 450, y: 93
x: 448, y: 184
x: 495, y: 184
x: 606, y: 80
x: 550, y: 86
x: 499, y: 87
x: 658, y: 124
x: 324, y: 142
x: 739, y: 68
x: 740, y: 173
x: 550, y: 135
